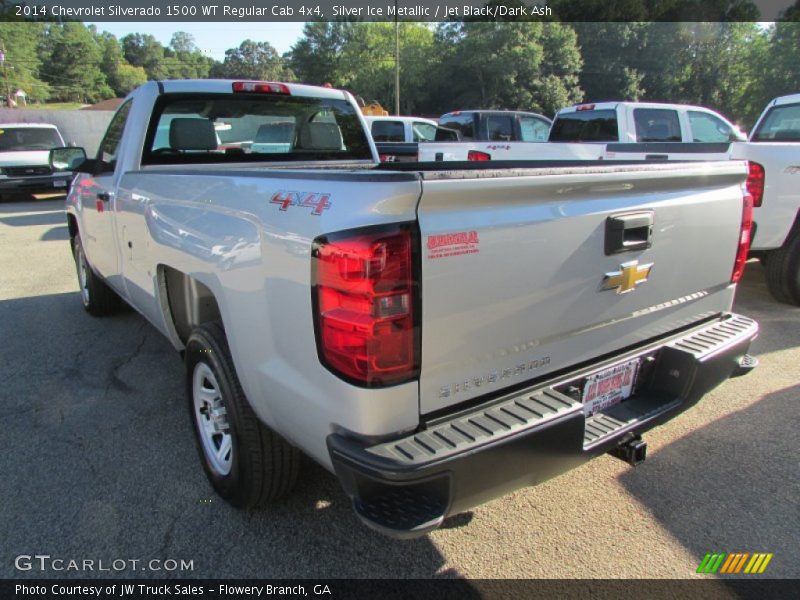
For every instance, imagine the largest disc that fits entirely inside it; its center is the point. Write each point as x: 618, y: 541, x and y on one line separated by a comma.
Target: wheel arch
x: 186, y: 301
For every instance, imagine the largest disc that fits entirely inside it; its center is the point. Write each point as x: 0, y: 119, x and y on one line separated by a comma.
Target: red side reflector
x: 261, y: 87
x: 478, y: 155
x: 585, y: 107
x: 364, y: 306
x: 745, y: 232
x: 755, y: 182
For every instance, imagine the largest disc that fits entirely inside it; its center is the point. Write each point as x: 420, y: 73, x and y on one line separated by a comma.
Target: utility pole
x: 396, y: 61
x: 5, y: 73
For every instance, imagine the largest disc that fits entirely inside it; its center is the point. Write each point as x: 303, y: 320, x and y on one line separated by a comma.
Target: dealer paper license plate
x: 609, y: 387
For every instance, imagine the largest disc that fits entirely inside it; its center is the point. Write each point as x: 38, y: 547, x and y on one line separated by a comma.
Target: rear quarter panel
x: 225, y: 231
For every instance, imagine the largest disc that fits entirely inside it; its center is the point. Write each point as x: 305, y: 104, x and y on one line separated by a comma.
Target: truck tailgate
x: 514, y: 267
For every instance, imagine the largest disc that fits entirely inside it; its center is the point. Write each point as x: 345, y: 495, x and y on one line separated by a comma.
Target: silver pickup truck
x: 434, y: 336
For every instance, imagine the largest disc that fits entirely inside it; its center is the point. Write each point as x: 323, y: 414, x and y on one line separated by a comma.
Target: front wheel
x: 98, y: 299
x: 247, y: 463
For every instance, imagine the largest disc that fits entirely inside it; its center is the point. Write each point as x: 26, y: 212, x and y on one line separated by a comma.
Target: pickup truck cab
x: 434, y: 337
x: 632, y: 122
x: 401, y: 129
x: 773, y: 152
x: 497, y: 125
x: 24, y: 155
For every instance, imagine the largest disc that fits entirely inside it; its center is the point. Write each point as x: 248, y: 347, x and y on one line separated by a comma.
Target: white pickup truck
x: 24, y: 151
x: 435, y: 338
x: 773, y: 152
x: 611, y: 131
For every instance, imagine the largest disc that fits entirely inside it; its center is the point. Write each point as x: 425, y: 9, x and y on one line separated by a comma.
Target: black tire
x: 98, y: 299
x: 783, y: 271
x: 262, y: 466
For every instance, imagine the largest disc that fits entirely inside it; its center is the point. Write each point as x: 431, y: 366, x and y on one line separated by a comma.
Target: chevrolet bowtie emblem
x: 627, y: 278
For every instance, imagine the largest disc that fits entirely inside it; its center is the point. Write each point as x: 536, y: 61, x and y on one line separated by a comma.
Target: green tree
x: 718, y: 65
x: 143, y: 50
x: 73, y: 67
x: 22, y: 60
x: 529, y: 66
x: 784, y: 55
x: 184, y: 60
x: 315, y: 58
x: 122, y: 76
x: 252, y: 60
x: 360, y: 57
x: 609, y: 51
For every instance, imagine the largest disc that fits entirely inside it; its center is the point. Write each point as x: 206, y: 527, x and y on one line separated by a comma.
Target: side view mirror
x: 66, y: 158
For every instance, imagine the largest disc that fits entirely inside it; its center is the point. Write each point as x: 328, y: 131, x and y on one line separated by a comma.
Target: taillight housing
x: 478, y: 155
x: 365, y: 296
x: 755, y: 182
x: 745, y: 232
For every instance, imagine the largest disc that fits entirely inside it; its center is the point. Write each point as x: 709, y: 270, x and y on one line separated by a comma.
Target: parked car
x: 396, y: 137
x: 642, y: 122
x: 434, y: 337
x: 498, y: 125
x: 24, y: 155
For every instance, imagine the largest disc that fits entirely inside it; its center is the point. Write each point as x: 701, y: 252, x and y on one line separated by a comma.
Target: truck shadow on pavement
x: 101, y: 458
x: 731, y: 486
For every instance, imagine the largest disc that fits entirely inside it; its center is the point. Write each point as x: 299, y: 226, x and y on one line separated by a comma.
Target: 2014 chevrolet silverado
x: 434, y: 336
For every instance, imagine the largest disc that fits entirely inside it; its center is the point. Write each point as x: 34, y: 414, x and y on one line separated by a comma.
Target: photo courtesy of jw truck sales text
x: 461, y: 292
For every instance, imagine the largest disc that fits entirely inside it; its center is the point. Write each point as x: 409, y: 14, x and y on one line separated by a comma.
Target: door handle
x: 629, y: 232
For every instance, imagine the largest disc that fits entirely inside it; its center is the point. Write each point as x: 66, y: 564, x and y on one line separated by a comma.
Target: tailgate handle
x: 656, y: 156
x: 629, y: 232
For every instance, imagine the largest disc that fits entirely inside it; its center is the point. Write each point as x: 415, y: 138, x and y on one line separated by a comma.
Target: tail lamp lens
x: 745, y: 233
x: 365, y: 305
x: 755, y: 182
x: 478, y: 155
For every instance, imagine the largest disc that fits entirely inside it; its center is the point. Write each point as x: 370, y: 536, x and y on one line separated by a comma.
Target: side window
x: 533, y: 129
x: 423, y: 132
x: 657, y: 125
x: 463, y: 123
x: 499, y: 129
x: 109, y: 147
x: 708, y: 128
x: 388, y: 131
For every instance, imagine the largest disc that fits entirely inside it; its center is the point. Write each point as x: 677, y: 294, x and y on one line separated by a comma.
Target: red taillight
x: 478, y: 155
x: 755, y: 182
x: 261, y: 87
x: 585, y: 107
x: 364, y: 300
x: 744, y: 238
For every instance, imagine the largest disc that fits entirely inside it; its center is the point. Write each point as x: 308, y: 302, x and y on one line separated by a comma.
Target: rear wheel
x: 783, y: 271
x: 246, y: 462
x: 98, y: 299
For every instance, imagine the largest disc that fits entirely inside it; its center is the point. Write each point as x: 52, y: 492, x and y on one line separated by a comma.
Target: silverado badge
x: 627, y: 278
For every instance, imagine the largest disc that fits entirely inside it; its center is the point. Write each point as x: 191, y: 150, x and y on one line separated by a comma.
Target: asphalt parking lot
x: 98, y: 462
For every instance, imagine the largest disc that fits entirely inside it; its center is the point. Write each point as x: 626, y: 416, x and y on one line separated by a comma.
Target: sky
x: 214, y: 38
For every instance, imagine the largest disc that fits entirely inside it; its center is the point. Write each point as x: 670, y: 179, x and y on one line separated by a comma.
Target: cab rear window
x: 388, y: 131
x: 218, y: 128
x: 586, y: 126
x: 782, y: 124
